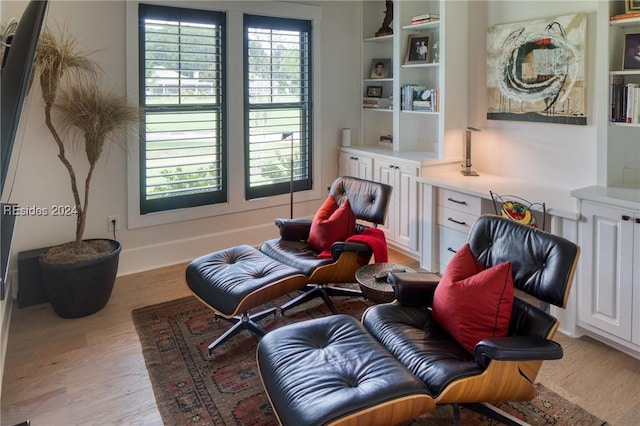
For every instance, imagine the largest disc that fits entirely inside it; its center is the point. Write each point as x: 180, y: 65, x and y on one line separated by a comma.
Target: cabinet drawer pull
x: 456, y: 221
x: 625, y: 217
x: 637, y: 219
x: 456, y: 201
x: 451, y: 250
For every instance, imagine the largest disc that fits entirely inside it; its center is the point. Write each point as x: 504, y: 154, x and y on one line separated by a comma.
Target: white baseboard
x: 154, y: 256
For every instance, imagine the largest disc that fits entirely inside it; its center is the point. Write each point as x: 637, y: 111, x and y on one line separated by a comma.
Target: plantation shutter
x: 182, y: 82
x: 278, y: 105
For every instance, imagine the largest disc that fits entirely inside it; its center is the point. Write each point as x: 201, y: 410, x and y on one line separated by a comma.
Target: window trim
x: 235, y: 132
x: 204, y: 198
x: 280, y: 188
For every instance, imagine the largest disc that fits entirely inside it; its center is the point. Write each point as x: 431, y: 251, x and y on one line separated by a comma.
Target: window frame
x: 202, y: 198
x: 285, y: 24
x: 236, y: 202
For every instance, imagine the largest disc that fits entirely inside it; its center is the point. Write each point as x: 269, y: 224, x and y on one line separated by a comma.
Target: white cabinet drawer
x: 450, y: 243
x: 455, y: 219
x: 460, y: 201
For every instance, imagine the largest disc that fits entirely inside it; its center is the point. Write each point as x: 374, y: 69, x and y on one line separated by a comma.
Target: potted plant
x: 78, y: 276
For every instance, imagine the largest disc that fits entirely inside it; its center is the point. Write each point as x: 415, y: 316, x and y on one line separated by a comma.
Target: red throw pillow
x: 330, y: 224
x: 473, y: 303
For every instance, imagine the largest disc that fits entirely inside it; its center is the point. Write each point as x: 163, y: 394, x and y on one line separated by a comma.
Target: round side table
x: 378, y: 290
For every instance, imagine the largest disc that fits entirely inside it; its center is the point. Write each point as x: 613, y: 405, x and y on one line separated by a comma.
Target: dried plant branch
x: 100, y: 117
x: 82, y: 109
x: 57, y: 58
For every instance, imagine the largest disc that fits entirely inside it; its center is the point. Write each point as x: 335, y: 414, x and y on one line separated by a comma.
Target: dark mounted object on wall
x: 18, y: 53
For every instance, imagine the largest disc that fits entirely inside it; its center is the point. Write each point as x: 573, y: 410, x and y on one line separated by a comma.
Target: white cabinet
x: 401, y: 227
x: 609, y: 291
x: 355, y: 164
x: 456, y: 212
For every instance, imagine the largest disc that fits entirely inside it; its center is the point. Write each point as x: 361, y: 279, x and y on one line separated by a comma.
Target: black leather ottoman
x: 332, y: 371
x: 237, y: 279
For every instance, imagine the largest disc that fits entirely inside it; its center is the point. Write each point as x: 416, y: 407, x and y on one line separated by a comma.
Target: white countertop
x: 417, y: 157
x: 558, y: 201
x: 627, y: 197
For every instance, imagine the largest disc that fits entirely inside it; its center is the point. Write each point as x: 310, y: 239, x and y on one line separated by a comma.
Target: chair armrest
x: 340, y: 247
x: 414, y: 288
x: 294, y: 229
x: 517, y: 348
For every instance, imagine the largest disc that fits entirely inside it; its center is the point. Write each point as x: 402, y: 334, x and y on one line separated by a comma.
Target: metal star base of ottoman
x: 331, y: 371
x: 237, y: 279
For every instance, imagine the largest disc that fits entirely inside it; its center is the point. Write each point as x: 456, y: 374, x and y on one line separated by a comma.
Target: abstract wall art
x: 536, y: 70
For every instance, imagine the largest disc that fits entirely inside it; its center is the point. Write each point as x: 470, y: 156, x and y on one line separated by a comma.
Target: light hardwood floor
x: 90, y: 371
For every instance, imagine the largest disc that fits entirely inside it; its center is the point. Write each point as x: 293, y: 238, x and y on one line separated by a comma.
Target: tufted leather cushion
x: 321, y: 370
x: 297, y: 254
x: 538, y: 259
x: 369, y: 200
x: 223, y: 278
x: 330, y: 224
x: 420, y: 344
x: 473, y: 303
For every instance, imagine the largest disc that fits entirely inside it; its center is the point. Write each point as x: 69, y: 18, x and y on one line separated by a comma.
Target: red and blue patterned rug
x: 192, y: 388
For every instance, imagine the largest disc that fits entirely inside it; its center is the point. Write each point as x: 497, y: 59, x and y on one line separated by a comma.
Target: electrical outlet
x: 110, y: 224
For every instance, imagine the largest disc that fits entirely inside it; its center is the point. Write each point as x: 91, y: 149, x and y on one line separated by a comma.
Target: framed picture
x: 374, y: 91
x: 381, y: 68
x: 631, y: 55
x: 632, y: 6
x: 418, y: 49
x: 529, y: 81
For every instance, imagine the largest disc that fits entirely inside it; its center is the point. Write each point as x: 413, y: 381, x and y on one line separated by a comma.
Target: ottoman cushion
x: 324, y: 369
x: 223, y: 278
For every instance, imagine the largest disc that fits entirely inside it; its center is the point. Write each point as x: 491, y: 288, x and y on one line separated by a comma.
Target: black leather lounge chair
x: 400, y: 362
x: 369, y: 202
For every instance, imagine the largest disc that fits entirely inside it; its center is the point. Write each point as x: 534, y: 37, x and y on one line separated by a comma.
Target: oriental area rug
x: 192, y: 388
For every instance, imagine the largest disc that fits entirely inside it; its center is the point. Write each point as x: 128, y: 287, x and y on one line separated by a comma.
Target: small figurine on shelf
x: 435, y: 53
x: 386, y: 29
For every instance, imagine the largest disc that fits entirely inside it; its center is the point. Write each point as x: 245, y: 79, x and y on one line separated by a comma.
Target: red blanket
x: 375, y: 239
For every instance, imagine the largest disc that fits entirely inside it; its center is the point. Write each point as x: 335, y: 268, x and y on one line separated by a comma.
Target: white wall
x: 42, y: 181
x: 563, y: 155
x: 554, y: 154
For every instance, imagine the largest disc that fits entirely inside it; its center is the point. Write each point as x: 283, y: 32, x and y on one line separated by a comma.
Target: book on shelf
x: 624, y: 16
x: 426, y: 16
x: 633, y: 103
x: 419, y: 98
x: 421, y: 21
x: 386, y: 141
x: 616, y: 83
x: 378, y: 103
x: 624, y: 100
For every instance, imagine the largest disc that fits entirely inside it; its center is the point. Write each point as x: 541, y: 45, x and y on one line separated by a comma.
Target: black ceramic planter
x: 81, y: 289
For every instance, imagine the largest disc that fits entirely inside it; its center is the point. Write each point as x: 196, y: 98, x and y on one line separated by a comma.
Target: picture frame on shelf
x: 381, y: 68
x: 631, y: 6
x: 374, y: 91
x: 631, y: 54
x: 418, y: 49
